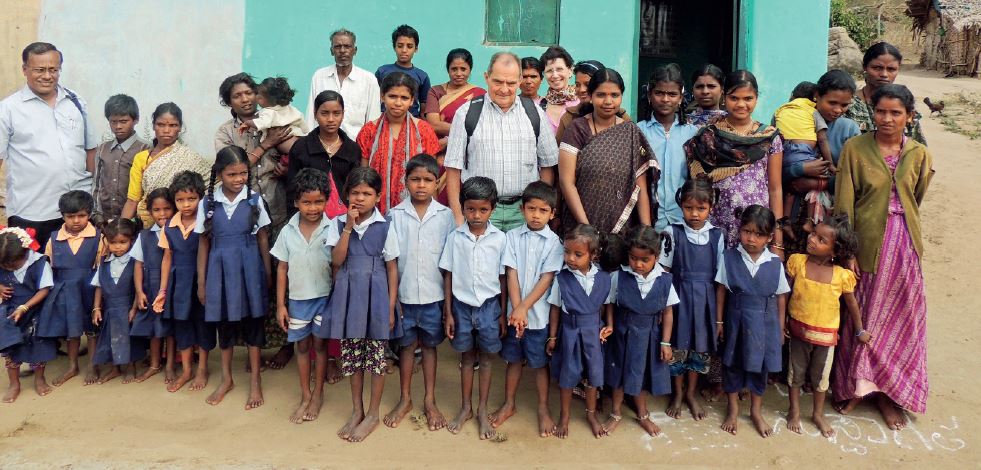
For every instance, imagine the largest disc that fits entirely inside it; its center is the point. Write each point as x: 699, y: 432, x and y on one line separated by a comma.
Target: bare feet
x: 456, y: 425
x: 394, y: 418
x: 219, y: 394
x: 892, y: 415
x: 313, y: 409
x: 729, y: 425
x: 333, y: 372
x: 200, y: 381
x: 650, y: 426
x: 612, y: 423
x: 169, y: 375
x: 41, y: 386
x: 713, y: 393
x: 13, y: 391
x: 434, y: 417
x: 594, y: 424
x: 150, y: 372
x: 562, y: 429
x: 697, y: 412
x: 845, y: 407
x: 297, y: 416
x: 502, y: 414
x: 674, y: 407
x: 179, y: 382
x: 823, y: 426
x: 367, y: 425
x: 793, y: 421
x: 486, y: 430
x: 72, y: 372
x: 129, y: 377
x: 761, y: 425
x: 348, y: 428
x: 390, y: 368
x: 112, y: 374
x: 281, y: 358
x: 255, y: 396
x: 546, y: 427
x: 91, y: 376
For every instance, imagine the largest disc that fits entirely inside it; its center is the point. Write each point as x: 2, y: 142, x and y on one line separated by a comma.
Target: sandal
x: 617, y: 418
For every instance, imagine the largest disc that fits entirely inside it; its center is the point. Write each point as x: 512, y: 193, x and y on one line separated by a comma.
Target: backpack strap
x: 533, y: 116
x: 85, y: 117
x: 473, y: 116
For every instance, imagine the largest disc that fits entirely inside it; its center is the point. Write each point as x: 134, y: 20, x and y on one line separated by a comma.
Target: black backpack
x: 473, y: 116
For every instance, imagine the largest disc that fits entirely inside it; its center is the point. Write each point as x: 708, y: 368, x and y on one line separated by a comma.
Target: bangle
x: 719, y: 323
x: 96, y: 309
x: 860, y: 333
x: 777, y: 246
x: 553, y: 338
x: 663, y: 343
x: 22, y: 307
x: 347, y: 230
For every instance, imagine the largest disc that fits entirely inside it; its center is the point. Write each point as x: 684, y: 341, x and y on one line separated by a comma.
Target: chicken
x: 934, y: 107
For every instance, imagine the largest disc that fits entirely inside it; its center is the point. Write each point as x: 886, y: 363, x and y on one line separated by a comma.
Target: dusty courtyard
x: 142, y: 425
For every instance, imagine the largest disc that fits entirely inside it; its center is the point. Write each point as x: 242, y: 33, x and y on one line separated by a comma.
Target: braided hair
x: 12, y: 249
x: 226, y: 157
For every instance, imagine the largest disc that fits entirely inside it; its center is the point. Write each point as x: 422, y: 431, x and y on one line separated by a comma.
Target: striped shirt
x: 502, y: 148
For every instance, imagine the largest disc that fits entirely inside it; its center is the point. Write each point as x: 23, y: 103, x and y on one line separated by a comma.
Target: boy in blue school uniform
x: 405, y: 42
x: 421, y: 225
x: 471, y: 262
x: 532, y: 256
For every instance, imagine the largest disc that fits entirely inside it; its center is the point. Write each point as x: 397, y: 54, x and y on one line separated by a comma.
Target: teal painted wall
x: 783, y: 42
x: 606, y: 31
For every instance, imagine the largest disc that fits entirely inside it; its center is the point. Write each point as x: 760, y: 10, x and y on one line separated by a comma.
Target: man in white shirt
x: 45, y: 142
x: 362, y: 98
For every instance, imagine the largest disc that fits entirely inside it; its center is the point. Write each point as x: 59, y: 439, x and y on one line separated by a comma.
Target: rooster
x: 934, y: 107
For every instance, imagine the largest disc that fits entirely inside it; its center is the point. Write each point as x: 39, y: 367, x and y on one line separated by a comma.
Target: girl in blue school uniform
x: 638, y: 353
x: 752, y: 288
x: 179, y: 304
x: 234, y: 284
x: 149, y: 256
x: 73, y: 251
x: 113, y: 308
x: 581, y: 320
x: 25, y: 280
x: 693, y: 261
x: 364, y: 249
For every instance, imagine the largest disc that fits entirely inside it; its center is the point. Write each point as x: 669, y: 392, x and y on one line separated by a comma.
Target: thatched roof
x: 960, y: 13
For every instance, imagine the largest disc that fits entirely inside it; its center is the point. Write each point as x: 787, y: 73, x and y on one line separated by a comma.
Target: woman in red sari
x: 445, y: 99
x: 389, y: 142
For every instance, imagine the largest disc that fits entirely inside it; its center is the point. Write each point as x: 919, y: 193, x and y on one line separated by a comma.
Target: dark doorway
x: 687, y: 32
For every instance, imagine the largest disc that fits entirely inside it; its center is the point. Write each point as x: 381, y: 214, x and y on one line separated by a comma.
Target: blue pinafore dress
x: 236, y: 281
x: 359, y: 301
x: 633, y: 353
x: 67, y: 311
x: 694, y: 271
x: 20, y: 340
x: 150, y: 324
x: 579, y: 353
x: 115, y: 345
x: 752, y: 324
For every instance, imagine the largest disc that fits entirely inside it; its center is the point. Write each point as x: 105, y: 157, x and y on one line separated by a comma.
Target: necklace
x: 596, y: 129
x: 332, y: 147
x: 736, y: 130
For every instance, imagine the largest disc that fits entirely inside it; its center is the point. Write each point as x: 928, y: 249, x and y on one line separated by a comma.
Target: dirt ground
x: 141, y: 425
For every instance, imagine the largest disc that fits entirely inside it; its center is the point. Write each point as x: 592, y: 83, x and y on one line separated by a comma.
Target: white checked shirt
x: 531, y: 254
x: 502, y: 148
x: 421, y: 244
x: 475, y: 263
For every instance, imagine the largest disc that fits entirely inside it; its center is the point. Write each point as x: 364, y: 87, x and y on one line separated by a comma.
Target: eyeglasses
x: 43, y: 70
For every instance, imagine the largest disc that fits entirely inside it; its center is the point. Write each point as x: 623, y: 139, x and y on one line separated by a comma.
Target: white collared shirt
x: 585, y: 280
x: 359, y: 90
x: 137, y: 251
x: 697, y: 237
x: 229, y: 206
x: 531, y: 254
x: 43, y: 150
x: 391, y: 248
x: 646, y: 283
x: 117, y: 264
x: 754, y: 266
x: 309, y: 263
x: 47, y: 279
x: 421, y: 244
x: 475, y: 263
x: 124, y: 145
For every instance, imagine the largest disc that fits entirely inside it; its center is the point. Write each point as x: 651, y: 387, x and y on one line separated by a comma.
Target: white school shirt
x: 309, y: 263
x: 359, y: 90
x: 137, y: 251
x: 585, y: 280
x: 475, y: 263
x: 533, y: 253
x: 389, y: 252
x: 47, y: 278
x: 229, y: 207
x: 753, y: 266
x: 117, y: 264
x: 696, y: 237
x: 421, y: 244
x: 645, y: 283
